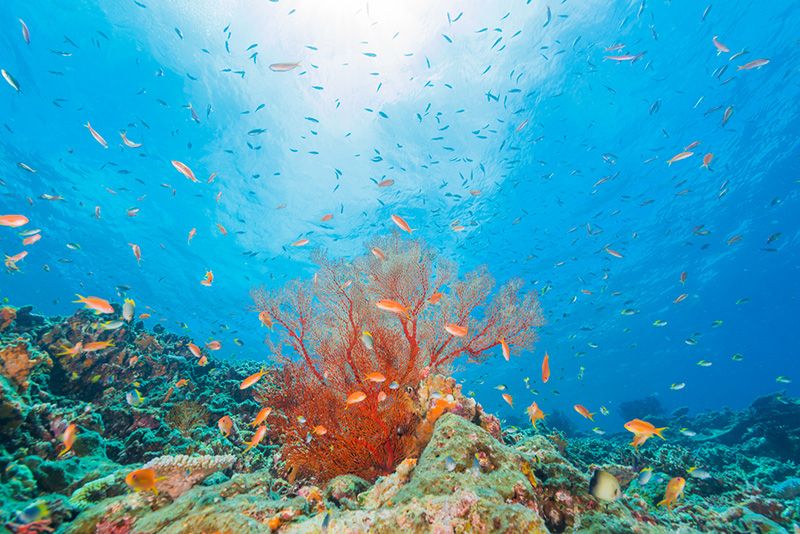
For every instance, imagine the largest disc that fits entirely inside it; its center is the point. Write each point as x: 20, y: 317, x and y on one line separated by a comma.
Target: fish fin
x: 62, y: 453
x: 662, y: 502
x: 658, y: 432
x: 81, y: 298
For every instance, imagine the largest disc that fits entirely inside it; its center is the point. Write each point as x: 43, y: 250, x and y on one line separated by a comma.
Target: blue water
x: 435, y: 96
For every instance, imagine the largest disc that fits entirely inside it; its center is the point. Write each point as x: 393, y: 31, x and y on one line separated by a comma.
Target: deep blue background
x: 400, y: 92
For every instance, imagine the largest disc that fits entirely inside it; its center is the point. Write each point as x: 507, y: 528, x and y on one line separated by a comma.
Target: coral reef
x: 464, y: 475
x: 363, y: 335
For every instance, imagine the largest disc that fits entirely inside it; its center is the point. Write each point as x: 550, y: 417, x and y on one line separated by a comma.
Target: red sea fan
x: 323, y: 323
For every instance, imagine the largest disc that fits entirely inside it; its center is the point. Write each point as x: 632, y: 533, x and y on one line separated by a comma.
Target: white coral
x: 181, y: 472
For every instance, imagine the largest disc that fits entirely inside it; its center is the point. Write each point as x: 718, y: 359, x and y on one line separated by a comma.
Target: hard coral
x: 181, y: 472
x: 324, y: 323
x: 7, y: 316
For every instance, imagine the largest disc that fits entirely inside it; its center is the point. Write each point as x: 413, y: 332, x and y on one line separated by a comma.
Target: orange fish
x: 386, y: 183
x: 505, y: 348
x: 392, y: 306
x: 683, y: 277
x: 707, y: 160
x: 680, y: 298
x: 300, y: 242
x: 381, y: 396
x: 252, y: 379
x: 97, y: 136
x: 584, y: 412
x: 202, y: 362
x: 184, y: 170
x: 96, y: 304
x: 222, y: 229
x: 195, y: 350
x: 535, y: 413
x: 637, y: 426
x: 327, y: 217
x: 213, y: 345
x: 225, y: 424
x: 681, y: 156
x: 97, y: 345
x: 436, y: 297
x: 639, y: 439
x: 71, y: 351
x: 262, y: 415
x: 31, y: 239
x: 144, y: 316
x: 509, y: 399
x: 674, y: 490
x: 355, y: 398
x: 257, y: 437
x: 137, y: 252
x: 545, y: 368
x: 378, y: 253
x: 192, y: 233
x: 320, y: 430
x: 399, y: 221
x: 691, y: 145
x: 456, y: 330
x: 208, y: 279
x: 13, y: 221
x: 68, y: 438
x: 182, y: 382
x: 265, y: 319
x: 376, y: 377
x: 210, y: 180
x: 614, y: 253
x: 143, y: 480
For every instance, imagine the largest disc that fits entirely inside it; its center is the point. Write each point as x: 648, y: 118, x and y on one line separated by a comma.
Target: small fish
x: 435, y: 298
x: 97, y: 136
x: 355, y: 398
x: 134, y: 398
x: 143, y: 480
x: 674, y: 490
x: 604, y: 486
x: 184, y: 170
x: 95, y: 304
x: 688, y: 433
x: 401, y: 223
x: 127, y: 141
x: 783, y: 380
x: 137, y: 252
x: 644, y: 476
x: 283, y: 67
x: 33, y: 512
x: 545, y: 368
x: 737, y: 357
x: 394, y: 386
x: 659, y: 322
x: 300, y: 243
x: 755, y: 64
x: 604, y: 410
x: 727, y: 115
x: 707, y: 161
x: 13, y: 221
x: 677, y: 387
x: 208, y: 279
x: 505, y: 349
x: 252, y: 379
x: 376, y: 377
x: 509, y: 399
x: 704, y: 363
x: 721, y: 48
x: 378, y: 253
x: 225, y: 425
x: 701, y: 474
x: 26, y: 35
x: 456, y: 330
x: 257, y: 437
x: 10, y: 79
x: 599, y: 431
x: 613, y: 253
x: 392, y: 306
x: 584, y: 412
x: 68, y: 439
x: 261, y: 416
x: 680, y: 298
x: 680, y: 156
x: 128, y: 309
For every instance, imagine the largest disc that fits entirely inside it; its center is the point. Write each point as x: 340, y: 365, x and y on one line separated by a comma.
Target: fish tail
x: 81, y: 298
x: 62, y: 453
x: 247, y: 449
x: 591, y: 416
x: 658, y: 432
x: 662, y: 502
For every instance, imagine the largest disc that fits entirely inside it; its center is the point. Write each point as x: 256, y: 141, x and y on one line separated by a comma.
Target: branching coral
x: 180, y: 472
x: 341, y: 343
x: 185, y: 415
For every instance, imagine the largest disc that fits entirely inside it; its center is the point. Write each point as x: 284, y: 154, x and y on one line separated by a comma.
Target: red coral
x: 35, y: 527
x: 323, y: 321
x: 123, y: 525
x: 7, y: 316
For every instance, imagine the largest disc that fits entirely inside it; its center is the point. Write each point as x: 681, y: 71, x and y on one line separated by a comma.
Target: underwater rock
x: 344, y: 489
x: 13, y: 408
x: 17, y: 361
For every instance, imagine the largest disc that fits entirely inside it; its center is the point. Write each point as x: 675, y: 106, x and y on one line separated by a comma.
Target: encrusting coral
x: 369, y: 331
